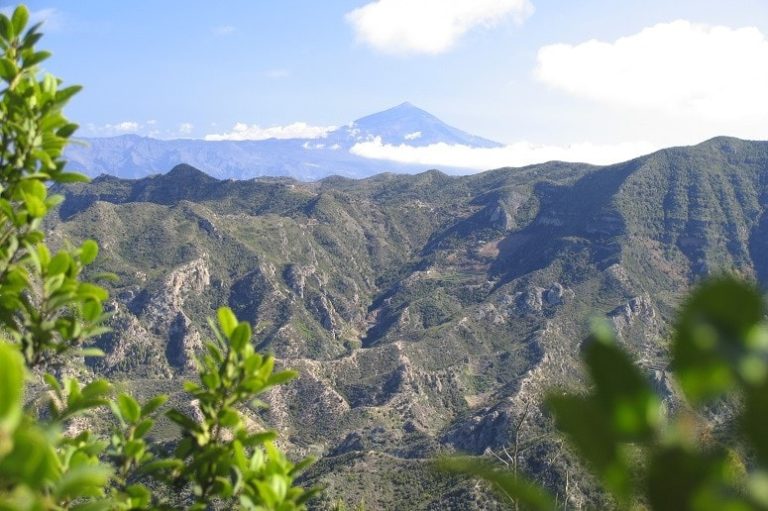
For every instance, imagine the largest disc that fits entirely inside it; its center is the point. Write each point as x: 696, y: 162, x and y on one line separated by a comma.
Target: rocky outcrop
x: 638, y: 308
x: 535, y: 300
x: 165, y: 315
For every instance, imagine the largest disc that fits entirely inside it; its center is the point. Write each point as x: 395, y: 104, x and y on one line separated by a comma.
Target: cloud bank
x: 681, y: 68
x: 242, y: 131
x: 428, y: 26
x: 514, y: 155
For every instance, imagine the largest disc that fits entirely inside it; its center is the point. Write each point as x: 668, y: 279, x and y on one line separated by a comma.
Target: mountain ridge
x: 135, y: 156
x: 422, y: 311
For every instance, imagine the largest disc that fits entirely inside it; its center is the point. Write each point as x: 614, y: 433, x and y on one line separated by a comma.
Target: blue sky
x: 516, y: 71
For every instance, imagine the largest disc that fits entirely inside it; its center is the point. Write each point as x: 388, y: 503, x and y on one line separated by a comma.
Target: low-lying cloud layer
x: 514, y: 155
x: 428, y: 26
x: 242, y: 131
x: 681, y: 68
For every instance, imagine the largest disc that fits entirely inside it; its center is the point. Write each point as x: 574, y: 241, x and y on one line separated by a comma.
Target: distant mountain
x: 406, y: 124
x: 132, y: 156
x: 423, y: 312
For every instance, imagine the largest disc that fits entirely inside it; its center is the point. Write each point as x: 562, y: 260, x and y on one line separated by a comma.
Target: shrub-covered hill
x: 423, y: 312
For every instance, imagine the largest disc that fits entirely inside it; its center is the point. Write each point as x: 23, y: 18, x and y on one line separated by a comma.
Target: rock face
x: 536, y: 299
x: 151, y: 329
x: 422, y: 312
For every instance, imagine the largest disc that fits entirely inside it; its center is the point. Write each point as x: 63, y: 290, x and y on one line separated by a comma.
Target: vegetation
x: 650, y: 457
x: 49, y: 457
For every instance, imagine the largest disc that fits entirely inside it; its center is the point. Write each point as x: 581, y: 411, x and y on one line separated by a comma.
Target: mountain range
x: 133, y: 156
x: 425, y: 313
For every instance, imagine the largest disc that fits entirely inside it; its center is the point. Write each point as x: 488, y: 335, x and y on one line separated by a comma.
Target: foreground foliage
x: 649, y: 457
x: 49, y: 457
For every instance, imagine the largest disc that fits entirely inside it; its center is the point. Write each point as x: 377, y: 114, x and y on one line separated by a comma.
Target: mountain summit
x: 132, y: 156
x: 408, y: 124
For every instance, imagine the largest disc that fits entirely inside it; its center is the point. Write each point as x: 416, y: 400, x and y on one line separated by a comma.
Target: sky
x: 590, y: 80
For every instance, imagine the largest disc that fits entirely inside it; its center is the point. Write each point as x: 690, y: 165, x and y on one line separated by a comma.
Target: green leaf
x: 162, y: 465
x: 11, y: 390
x: 63, y: 95
x: 70, y: 177
x: 6, y: 29
x: 59, y: 263
x: 282, y: 377
x: 678, y: 479
x: 526, y: 494
x: 153, y: 404
x: 143, y: 428
x: 182, y: 420
x: 35, y: 206
x: 8, y: 69
x: 96, y: 389
x: 90, y: 352
x: 592, y: 434
x: 241, y: 335
x: 32, y: 460
x: 92, y: 310
x: 88, y: 252
x: 621, y: 390
x: 19, y: 19
x: 83, y: 481
x: 754, y: 420
x: 129, y: 408
x: 711, y: 338
x: 36, y: 58
x: 227, y: 320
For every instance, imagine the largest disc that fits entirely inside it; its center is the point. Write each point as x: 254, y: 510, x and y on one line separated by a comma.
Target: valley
x: 423, y: 312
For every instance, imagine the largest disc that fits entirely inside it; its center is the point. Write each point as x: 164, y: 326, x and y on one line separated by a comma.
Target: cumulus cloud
x: 428, y: 26
x: 119, y: 128
x: 514, y: 155
x: 124, y: 127
x: 242, y: 131
x: 679, y: 68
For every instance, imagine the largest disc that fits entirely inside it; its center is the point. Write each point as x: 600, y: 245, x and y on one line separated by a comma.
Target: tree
x: 646, y: 457
x: 48, y: 316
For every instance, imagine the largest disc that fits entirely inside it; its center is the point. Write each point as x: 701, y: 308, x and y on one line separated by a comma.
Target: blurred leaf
x: 153, y: 404
x: 593, y: 435
x: 11, y: 391
x: 621, y: 390
x: 710, y: 338
x: 83, y: 481
x: 227, y: 320
x: 129, y: 408
x: 88, y: 251
x: 19, y: 19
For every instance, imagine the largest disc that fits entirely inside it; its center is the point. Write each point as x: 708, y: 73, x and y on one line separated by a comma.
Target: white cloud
x: 108, y: 130
x: 185, y: 128
x: 224, y: 30
x: 514, y: 155
x: 681, y: 68
x: 413, y: 136
x: 428, y: 26
x: 242, y: 131
x: 124, y: 127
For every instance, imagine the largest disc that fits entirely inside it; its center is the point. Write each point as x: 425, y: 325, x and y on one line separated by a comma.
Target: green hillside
x: 423, y: 312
